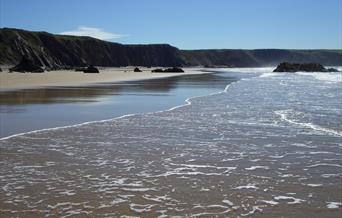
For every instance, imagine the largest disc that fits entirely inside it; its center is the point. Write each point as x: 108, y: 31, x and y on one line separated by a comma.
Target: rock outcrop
x: 296, y: 67
x: 168, y: 70
x: 26, y: 65
x: 91, y: 69
x: 137, y: 70
x: 174, y: 70
x: 158, y: 70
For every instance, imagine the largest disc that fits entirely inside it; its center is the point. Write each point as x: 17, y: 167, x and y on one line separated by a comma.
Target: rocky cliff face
x: 57, y: 51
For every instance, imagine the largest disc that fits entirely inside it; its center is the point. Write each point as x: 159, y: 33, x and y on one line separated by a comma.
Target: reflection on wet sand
x: 90, y: 93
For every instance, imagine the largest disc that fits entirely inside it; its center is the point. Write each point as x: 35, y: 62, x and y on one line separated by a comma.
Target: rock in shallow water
x: 168, y: 70
x: 295, y: 67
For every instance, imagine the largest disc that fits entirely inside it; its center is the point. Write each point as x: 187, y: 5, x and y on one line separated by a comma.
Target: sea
x: 238, y: 142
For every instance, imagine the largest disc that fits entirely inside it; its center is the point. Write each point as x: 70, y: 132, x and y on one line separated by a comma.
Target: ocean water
x: 269, y: 145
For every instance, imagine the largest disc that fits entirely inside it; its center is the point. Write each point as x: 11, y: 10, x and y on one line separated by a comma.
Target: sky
x: 186, y: 24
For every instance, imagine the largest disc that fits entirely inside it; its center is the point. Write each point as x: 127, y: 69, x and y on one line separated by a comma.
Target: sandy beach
x: 15, y: 80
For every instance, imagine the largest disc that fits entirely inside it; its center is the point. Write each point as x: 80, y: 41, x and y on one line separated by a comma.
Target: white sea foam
x: 249, y: 70
x: 269, y: 74
x: 303, y: 145
x: 139, y: 189
x: 139, y: 208
x: 228, y: 202
x: 284, y: 116
x: 325, y: 164
x: 257, y: 167
x: 293, y: 200
x: 249, y: 186
x: 335, y: 77
x: 321, y: 152
x: 334, y: 205
x: 254, y: 210
x: 203, y: 166
x: 270, y: 202
x: 313, y: 185
x: 331, y: 175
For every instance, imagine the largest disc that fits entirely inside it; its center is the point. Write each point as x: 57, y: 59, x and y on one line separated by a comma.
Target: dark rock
x: 91, y: 69
x: 168, y: 70
x: 0, y: 69
x: 27, y: 65
x: 332, y: 70
x: 174, y: 70
x: 158, y: 70
x: 295, y: 67
x: 137, y: 70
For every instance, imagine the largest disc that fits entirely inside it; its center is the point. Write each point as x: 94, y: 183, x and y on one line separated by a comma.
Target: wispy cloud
x: 93, y: 32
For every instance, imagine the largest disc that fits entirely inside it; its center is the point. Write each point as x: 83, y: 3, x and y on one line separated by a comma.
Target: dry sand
x: 15, y: 80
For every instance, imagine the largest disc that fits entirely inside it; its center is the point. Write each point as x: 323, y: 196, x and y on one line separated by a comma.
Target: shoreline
x: 68, y: 78
x: 102, y: 103
x: 187, y: 102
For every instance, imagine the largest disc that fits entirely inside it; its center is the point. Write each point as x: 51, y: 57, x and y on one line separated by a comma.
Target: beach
x: 24, y: 110
x: 59, y: 78
x: 249, y: 146
x: 132, y: 109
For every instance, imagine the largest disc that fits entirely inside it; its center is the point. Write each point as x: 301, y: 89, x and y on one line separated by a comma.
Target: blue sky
x: 187, y: 24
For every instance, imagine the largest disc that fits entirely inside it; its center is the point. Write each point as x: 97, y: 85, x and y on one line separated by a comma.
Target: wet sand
x: 15, y: 80
x: 31, y: 109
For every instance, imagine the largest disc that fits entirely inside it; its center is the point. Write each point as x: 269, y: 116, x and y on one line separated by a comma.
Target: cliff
x: 59, y: 51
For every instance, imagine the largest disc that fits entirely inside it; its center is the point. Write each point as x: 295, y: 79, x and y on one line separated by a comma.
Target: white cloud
x: 93, y: 32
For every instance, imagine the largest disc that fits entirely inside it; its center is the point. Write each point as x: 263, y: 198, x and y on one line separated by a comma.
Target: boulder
x: 27, y: 65
x: 168, y: 70
x: 158, y: 70
x: 137, y: 70
x: 174, y: 70
x: 332, y: 70
x: 91, y: 69
x: 0, y: 69
x: 295, y: 67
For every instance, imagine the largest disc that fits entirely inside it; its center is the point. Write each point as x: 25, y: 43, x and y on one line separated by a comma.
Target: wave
x: 284, y: 116
x: 269, y: 74
x: 249, y: 70
x: 335, y: 77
